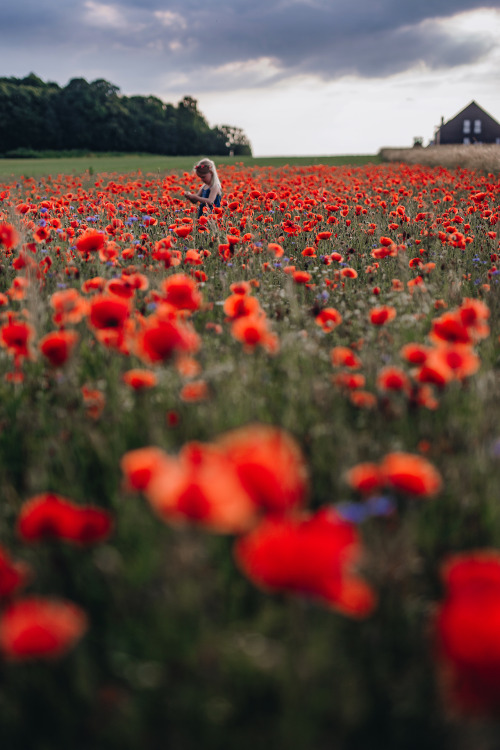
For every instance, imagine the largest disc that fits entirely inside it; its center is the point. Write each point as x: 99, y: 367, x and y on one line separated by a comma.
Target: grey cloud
x: 326, y: 38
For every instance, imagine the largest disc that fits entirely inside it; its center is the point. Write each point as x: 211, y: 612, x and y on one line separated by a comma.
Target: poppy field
x: 250, y: 463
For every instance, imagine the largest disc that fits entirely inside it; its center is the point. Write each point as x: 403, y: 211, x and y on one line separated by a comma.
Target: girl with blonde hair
x: 210, y: 193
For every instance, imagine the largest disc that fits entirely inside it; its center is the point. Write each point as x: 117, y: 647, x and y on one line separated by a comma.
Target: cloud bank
x: 147, y: 45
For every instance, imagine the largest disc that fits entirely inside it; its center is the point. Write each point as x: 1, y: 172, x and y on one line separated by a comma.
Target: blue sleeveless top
x: 204, y: 194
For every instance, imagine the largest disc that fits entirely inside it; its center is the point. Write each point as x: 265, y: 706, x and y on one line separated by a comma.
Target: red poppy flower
x: 36, y: 628
x: 474, y: 314
x: 415, y: 354
x: 184, y: 230
x: 160, y: 339
x: 270, y: 465
x: 139, y: 466
x: 238, y: 305
x: 393, y: 379
x: 278, y: 251
x: 182, y: 292
x: 139, y: 379
x: 329, y: 318
x: 435, y: 370
x: 121, y: 288
x: 201, y: 485
x: 461, y: 359
x: 193, y: 257
x: 301, y: 277
x: 383, y: 252
x: 241, y: 287
x: 450, y: 327
x: 58, y: 346
x: 365, y: 478
x: 9, y: 238
x: 311, y: 556
x: 424, y: 396
x: 197, y: 390
x: 94, y: 401
x: 343, y: 356
x: 349, y: 273
x: 348, y: 380
x: 363, y: 399
x: 90, y: 241
x: 410, y: 474
x: 467, y: 628
x: 187, y: 366
x: 69, y: 307
x: 108, y: 311
x: 381, y: 315
x: 13, y: 575
x: 16, y: 337
x: 253, y: 330
x: 50, y: 516
x: 19, y: 287
x: 96, y: 284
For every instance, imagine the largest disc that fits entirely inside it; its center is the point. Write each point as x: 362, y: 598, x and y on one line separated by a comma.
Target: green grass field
x: 149, y: 163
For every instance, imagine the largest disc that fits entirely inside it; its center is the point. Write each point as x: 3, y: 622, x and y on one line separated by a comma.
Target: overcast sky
x: 312, y: 77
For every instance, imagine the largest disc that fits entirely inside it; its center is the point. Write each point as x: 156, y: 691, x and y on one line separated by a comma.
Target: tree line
x: 81, y: 116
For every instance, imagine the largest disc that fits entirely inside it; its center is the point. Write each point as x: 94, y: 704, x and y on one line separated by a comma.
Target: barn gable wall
x: 453, y: 131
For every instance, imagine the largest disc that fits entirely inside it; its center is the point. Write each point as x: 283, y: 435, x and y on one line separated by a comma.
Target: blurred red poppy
x: 90, y: 241
x: 50, y: 516
x: 201, y: 485
x: 393, y: 378
x: 58, y: 346
x: 36, y: 628
x: 329, y: 318
x: 381, y: 315
x: 197, y: 390
x: 13, y: 575
x: 312, y: 556
x: 139, y: 465
x: 161, y: 338
x: 182, y: 292
x: 16, y: 337
x: 108, y: 311
x: 139, y: 379
x: 412, y: 474
x: 467, y: 629
x: 365, y: 478
x: 270, y: 465
x: 69, y: 307
x: 343, y: 356
x: 9, y: 237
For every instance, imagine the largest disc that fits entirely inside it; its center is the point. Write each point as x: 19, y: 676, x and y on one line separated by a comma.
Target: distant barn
x: 471, y: 125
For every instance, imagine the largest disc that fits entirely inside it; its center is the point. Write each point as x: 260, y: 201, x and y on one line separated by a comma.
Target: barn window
x: 466, y: 126
x: 477, y: 126
x: 466, y: 141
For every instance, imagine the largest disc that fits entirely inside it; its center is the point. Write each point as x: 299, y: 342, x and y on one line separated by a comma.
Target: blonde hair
x: 208, y: 165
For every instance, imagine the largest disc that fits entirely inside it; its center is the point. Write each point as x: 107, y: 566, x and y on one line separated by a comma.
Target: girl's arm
x: 196, y: 198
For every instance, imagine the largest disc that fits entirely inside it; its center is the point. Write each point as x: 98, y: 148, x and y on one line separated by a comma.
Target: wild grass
x: 484, y: 157
x: 151, y: 164
x: 182, y: 651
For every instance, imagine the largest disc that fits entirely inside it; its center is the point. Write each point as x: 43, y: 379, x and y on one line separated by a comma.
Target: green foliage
x: 38, y: 116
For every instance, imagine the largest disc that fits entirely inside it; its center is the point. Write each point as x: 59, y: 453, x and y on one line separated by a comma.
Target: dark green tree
x: 96, y: 117
x: 235, y: 141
